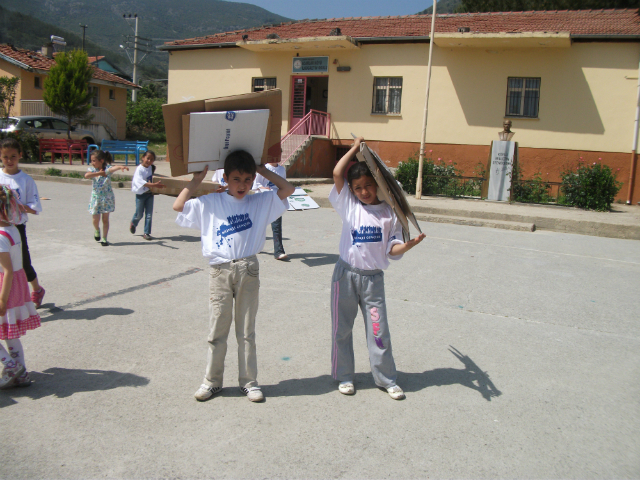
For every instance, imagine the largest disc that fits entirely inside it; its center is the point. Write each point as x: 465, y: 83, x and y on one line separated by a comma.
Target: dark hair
x: 104, y: 156
x: 150, y: 152
x: 357, y: 170
x: 11, y: 143
x: 241, y: 161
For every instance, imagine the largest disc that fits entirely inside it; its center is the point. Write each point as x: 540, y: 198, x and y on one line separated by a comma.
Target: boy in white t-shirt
x: 262, y: 184
x: 233, y: 230
x: 142, y: 180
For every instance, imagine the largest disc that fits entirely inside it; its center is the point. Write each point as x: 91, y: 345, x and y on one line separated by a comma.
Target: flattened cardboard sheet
x: 300, y: 200
x: 388, y: 189
x: 173, y: 113
x: 175, y: 185
x: 211, y: 136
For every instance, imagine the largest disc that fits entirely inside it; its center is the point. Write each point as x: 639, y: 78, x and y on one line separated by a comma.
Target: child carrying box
x: 233, y: 230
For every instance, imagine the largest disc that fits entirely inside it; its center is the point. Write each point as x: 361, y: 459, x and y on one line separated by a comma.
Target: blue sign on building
x: 310, y: 64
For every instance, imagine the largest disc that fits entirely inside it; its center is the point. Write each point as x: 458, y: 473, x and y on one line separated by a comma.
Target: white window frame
x: 384, y: 84
x: 518, y: 96
x: 260, y: 84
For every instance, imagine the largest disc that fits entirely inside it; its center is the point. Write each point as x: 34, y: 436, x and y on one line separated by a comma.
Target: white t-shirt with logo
x: 261, y: 182
x: 25, y: 187
x: 217, y: 177
x: 368, y: 231
x: 142, y: 176
x: 231, y: 228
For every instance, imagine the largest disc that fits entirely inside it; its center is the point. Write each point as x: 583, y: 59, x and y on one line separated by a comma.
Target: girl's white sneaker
x: 346, y: 388
x: 10, y: 375
x: 395, y: 392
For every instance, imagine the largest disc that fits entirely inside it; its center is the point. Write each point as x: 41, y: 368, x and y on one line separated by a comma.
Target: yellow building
x: 109, y: 102
x: 568, y: 80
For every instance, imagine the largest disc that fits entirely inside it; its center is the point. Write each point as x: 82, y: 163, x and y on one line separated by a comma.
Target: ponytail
x: 9, y: 206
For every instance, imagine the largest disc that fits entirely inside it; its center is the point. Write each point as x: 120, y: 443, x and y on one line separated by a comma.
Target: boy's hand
x: 358, y: 141
x: 412, y: 243
x: 261, y: 168
x: 125, y: 168
x: 221, y: 188
x: 198, y: 177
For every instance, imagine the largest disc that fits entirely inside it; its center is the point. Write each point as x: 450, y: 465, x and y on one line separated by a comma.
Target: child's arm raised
x: 99, y: 173
x: 7, y: 267
x: 186, y: 192
x: 284, y: 188
x: 116, y: 168
x: 400, y: 248
x: 343, y: 163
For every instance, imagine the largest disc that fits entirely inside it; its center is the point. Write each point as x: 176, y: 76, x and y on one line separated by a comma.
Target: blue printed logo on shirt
x: 366, y: 234
x: 237, y: 223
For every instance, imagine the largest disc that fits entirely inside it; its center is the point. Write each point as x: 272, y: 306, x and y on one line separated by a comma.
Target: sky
x: 300, y: 9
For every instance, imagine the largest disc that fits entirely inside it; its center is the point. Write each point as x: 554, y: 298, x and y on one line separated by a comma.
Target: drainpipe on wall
x: 634, y: 149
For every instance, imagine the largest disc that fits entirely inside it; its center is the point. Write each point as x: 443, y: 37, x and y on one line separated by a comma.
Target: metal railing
x: 101, y: 116
x: 535, y: 191
x: 313, y: 123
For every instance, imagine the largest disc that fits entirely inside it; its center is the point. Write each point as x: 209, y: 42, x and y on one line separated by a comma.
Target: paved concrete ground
x: 519, y: 354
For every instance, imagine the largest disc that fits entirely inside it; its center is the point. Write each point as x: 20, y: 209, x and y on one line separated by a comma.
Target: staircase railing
x: 313, y: 123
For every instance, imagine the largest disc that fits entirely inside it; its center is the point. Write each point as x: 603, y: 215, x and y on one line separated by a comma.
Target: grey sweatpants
x: 350, y: 288
x: 239, y: 280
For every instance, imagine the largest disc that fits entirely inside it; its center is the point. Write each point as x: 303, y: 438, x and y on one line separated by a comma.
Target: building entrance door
x: 307, y: 93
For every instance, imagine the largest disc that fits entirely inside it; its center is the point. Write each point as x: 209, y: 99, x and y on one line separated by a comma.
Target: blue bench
x: 121, y: 147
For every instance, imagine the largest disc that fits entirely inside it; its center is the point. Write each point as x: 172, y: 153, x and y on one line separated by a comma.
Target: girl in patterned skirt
x: 17, y: 312
x: 102, y: 201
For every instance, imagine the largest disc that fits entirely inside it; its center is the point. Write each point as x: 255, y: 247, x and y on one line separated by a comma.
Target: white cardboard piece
x: 213, y: 135
x: 300, y: 200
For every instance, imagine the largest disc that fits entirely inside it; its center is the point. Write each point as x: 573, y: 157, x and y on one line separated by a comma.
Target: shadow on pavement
x: 86, y: 314
x: 471, y: 377
x: 316, y: 259
x: 64, y: 382
x: 155, y: 241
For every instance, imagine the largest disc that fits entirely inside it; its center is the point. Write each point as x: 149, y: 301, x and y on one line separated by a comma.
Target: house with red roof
x: 568, y: 81
x: 109, y: 102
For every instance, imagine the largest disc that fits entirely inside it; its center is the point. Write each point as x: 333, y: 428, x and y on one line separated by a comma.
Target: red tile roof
x: 37, y: 61
x: 577, y: 22
x: 95, y: 59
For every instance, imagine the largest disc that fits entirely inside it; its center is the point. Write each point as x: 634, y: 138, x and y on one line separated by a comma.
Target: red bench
x: 63, y: 146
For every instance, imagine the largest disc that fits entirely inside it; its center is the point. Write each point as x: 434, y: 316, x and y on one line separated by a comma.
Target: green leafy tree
x: 66, y: 88
x: 8, y: 87
x: 524, y: 5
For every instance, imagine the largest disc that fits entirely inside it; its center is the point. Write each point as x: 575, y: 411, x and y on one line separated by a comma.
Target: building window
x: 523, y: 97
x: 387, y: 95
x: 95, y: 96
x: 112, y: 94
x: 262, y: 84
x: 36, y: 82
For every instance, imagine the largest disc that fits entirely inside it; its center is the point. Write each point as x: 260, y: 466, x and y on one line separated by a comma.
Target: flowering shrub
x: 437, y: 178
x: 535, y: 190
x: 590, y: 186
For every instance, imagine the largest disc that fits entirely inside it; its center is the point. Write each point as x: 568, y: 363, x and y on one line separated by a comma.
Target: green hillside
x: 159, y: 20
x: 444, y: 6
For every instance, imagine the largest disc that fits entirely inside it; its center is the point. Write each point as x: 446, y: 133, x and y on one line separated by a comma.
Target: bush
x: 437, y: 178
x: 145, y: 120
x: 28, y: 141
x: 531, y: 191
x: 592, y: 187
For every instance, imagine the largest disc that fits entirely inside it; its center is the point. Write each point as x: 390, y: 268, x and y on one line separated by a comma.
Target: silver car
x: 45, y: 127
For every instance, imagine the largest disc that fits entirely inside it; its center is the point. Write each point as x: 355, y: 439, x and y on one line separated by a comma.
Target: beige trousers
x: 237, y: 279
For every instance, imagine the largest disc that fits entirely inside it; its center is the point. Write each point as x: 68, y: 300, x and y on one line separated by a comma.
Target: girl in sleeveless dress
x: 17, y: 312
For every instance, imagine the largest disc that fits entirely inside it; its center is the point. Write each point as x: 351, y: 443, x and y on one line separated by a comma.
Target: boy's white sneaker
x: 205, y: 392
x: 346, y: 388
x: 395, y: 392
x: 254, y: 394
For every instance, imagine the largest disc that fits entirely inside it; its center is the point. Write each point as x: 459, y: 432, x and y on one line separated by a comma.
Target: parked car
x: 45, y: 127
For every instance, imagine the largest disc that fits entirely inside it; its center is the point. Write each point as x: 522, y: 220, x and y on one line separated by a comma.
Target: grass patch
x: 307, y: 190
x: 53, y: 172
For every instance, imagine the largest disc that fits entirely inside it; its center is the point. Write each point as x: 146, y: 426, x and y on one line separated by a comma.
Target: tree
x: 66, y: 88
x: 524, y: 5
x: 8, y: 87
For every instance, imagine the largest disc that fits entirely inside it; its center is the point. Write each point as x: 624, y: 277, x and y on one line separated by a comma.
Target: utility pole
x: 134, y: 94
x: 84, y: 29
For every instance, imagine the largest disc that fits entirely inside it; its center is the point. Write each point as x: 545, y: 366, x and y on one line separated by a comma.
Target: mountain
x: 159, y: 20
x: 444, y: 6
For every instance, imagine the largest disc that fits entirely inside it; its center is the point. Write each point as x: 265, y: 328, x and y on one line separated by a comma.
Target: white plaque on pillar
x: 502, y: 155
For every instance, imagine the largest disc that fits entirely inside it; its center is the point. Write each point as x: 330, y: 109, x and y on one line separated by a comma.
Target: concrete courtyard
x: 519, y: 354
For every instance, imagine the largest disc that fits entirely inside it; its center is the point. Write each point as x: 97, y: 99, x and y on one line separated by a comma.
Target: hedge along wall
x: 532, y: 160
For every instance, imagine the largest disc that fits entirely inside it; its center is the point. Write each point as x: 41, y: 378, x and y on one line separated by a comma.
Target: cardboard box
x: 173, y: 120
x: 175, y: 185
x: 208, y: 137
x: 388, y: 189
